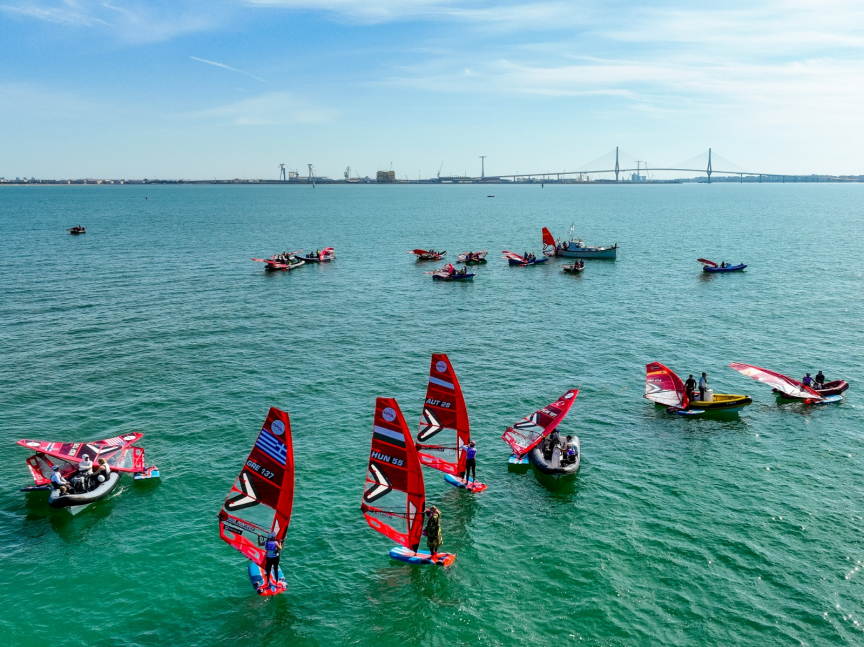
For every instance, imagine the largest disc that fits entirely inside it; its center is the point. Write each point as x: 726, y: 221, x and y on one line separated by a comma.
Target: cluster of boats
x: 552, y: 248
x: 291, y: 260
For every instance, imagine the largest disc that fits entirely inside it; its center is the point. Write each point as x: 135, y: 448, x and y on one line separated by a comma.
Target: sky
x: 223, y: 89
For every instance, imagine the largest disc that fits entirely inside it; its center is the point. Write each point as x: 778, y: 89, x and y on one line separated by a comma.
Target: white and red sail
x: 782, y: 383
x: 119, y: 453
x: 444, y: 426
x: 526, y: 434
x: 260, y: 500
x: 395, y: 495
x: 328, y: 253
x: 664, y: 387
x: 548, y: 238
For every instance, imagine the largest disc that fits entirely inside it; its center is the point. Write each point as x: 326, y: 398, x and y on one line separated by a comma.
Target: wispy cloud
x: 272, y: 108
x: 63, y: 15
x: 226, y: 67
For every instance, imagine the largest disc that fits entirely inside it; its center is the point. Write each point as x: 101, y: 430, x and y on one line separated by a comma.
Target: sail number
x: 398, y: 462
x: 438, y: 403
x: 267, y: 474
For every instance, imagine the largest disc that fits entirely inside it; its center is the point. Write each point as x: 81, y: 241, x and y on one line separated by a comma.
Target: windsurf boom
x: 260, y: 500
x: 526, y: 434
x: 395, y: 496
x: 444, y: 426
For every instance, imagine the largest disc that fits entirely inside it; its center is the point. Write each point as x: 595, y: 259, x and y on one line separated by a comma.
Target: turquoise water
x: 736, y: 531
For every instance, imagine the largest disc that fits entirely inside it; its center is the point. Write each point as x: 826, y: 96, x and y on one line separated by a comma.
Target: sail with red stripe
x: 328, y: 253
x: 526, y: 434
x: 260, y: 500
x: 782, y: 383
x: 118, y: 452
x: 444, y: 426
x: 664, y: 387
x: 395, y: 496
x: 548, y: 238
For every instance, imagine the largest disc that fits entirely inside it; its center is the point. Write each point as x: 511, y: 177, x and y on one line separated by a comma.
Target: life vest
x: 272, y: 548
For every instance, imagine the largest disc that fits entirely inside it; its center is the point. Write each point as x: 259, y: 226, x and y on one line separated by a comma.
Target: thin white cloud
x: 273, y: 108
x: 57, y: 15
x: 222, y: 65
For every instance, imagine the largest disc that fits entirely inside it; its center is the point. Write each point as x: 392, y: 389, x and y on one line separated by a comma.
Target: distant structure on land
x: 386, y: 176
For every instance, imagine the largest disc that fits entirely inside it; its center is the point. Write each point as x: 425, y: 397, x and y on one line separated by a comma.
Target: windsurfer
x: 820, y: 381
x: 58, y: 482
x: 690, y: 386
x: 703, y: 386
x: 470, y: 461
x: 273, y: 550
x: 433, y: 530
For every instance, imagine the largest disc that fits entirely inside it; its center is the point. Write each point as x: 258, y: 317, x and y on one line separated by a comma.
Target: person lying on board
x: 273, y: 549
x: 470, y: 462
x: 58, y: 482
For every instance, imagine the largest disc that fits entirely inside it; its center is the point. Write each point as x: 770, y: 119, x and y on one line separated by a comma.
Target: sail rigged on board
x: 664, y: 387
x: 260, y: 500
x: 526, y: 434
x: 444, y: 426
x: 118, y: 452
x: 395, y: 495
x: 548, y: 238
x: 780, y: 382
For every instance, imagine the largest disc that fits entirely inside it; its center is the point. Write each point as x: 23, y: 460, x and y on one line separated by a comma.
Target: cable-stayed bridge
x: 618, y: 162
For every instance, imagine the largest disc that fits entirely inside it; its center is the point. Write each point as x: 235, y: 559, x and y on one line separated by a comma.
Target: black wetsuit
x: 272, y: 563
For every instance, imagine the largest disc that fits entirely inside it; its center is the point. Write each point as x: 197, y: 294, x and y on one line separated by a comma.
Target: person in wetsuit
x: 470, y: 462
x: 273, y: 550
x: 433, y: 530
x: 819, y: 382
x: 690, y: 386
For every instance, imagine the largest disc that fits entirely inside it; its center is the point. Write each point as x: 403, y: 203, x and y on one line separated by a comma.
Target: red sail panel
x: 444, y: 426
x: 664, y: 387
x: 513, y: 256
x: 395, y: 496
x: 327, y: 252
x: 526, y: 434
x: 707, y: 262
x: 779, y: 381
x: 116, y: 451
x: 548, y: 239
x: 261, y: 498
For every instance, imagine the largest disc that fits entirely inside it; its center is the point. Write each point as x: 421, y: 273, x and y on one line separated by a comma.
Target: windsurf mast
x: 395, y: 495
x: 444, y: 413
x: 664, y: 387
x: 261, y: 498
x: 526, y: 434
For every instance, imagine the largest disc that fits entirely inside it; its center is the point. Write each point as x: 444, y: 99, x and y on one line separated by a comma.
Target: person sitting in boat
x: 101, y: 469
x: 819, y: 382
x: 555, y: 462
x: 433, y: 530
x: 690, y: 386
x: 807, y: 380
x: 85, y: 467
x: 58, y: 482
x: 470, y: 461
x: 572, y: 452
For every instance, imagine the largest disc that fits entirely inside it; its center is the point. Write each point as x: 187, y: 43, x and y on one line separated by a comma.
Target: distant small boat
x: 575, y: 268
x: 835, y: 387
x: 428, y: 254
x: 472, y: 258
x: 785, y: 386
x: 281, y: 262
x: 324, y: 256
x: 76, y: 231
x: 515, y: 259
x: 712, y: 267
x: 450, y: 273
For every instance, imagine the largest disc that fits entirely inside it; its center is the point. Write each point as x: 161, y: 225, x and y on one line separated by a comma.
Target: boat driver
x: 703, y: 386
x: 58, y: 482
x: 819, y: 381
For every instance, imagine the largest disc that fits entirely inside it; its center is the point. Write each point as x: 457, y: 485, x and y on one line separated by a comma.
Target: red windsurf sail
x: 782, y: 383
x: 548, y: 239
x: 444, y: 426
x: 664, y: 387
x: 395, y: 495
x: 526, y: 434
x: 260, y: 500
x: 118, y: 451
x: 513, y: 256
x: 705, y: 261
x: 327, y: 252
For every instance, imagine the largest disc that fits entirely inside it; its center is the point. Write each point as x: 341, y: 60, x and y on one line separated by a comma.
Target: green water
x: 742, y: 530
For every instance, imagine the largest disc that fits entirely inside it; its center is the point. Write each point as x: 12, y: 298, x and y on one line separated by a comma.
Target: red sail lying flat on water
x: 395, y: 495
x: 444, y: 426
x: 526, y: 434
x: 260, y: 500
x: 664, y: 387
x: 118, y: 452
x: 780, y: 382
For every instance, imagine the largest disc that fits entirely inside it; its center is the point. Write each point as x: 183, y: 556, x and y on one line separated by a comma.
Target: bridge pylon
x: 616, y: 164
x: 709, y: 166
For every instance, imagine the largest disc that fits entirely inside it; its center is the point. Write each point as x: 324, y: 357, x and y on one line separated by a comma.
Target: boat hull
x: 544, y: 466
x: 722, y: 402
x: 57, y: 500
x: 723, y: 270
x: 575, y: 251
x: 831, y: 388
x: 536, y: 261
x: 463, y: 277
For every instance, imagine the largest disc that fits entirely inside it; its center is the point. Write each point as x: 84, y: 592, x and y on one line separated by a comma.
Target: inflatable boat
x: 544, y: 464
x: 836, y: 387
x: 76, y: 501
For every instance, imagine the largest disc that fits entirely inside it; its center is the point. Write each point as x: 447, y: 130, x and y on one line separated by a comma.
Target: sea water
x: 743, y: 530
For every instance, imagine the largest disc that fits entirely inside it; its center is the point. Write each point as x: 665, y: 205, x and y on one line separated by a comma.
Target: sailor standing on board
x: 470, y: 462
x: 433, y: 531
x: 272, y: 549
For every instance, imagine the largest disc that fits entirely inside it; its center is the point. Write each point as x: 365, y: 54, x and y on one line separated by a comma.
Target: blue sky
x: 191, y: 89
